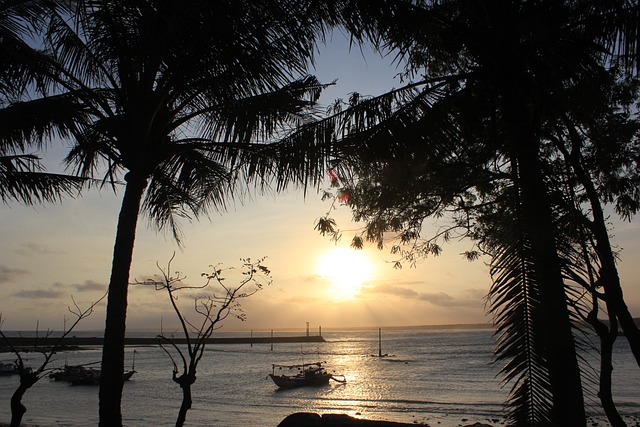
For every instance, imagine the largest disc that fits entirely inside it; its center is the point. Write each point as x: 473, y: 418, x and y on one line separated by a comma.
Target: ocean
x: 438, y: 377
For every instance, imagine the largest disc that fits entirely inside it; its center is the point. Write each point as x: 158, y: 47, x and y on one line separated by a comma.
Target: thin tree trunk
x: 611, y: 284
x: 553, y: 321
x: 111, y: 380
x: 17, y: 408
x: 27, y: 379
x: 185, y: 381
x: 186, y: 405
x: 610, y: 279
x: 607, y: 338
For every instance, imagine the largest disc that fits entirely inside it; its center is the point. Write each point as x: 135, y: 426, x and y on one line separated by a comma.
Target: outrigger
x: 308, y: 374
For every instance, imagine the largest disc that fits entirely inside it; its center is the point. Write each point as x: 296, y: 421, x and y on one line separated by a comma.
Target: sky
x: 53, y: 255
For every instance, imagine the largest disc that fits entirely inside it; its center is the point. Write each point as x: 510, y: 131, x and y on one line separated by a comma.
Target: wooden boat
x: 84, y: 375
x: 81, y: 375
x: 8, y: 368
x: 69, y: 373
x: 92, y: 377
x: 313, y: 374
x: 89, y: 376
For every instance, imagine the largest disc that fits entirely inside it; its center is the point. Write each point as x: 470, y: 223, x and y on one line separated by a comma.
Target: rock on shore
x: 307, y: 419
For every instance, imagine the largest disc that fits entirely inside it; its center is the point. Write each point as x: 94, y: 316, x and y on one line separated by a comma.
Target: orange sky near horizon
x: 50, y: 253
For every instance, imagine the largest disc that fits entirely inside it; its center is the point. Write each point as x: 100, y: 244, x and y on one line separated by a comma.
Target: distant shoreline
x: 26, y: 343
x: 290, y: 330
x: 301, y: 331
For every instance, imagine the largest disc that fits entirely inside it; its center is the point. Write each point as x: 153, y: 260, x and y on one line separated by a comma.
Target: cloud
x: 442, y: 299
x: 439, y: 298
x: 38, y: 294
x: 477, y: 293
x: 393, y: 290
x: 9, y: 274
x: 34, y: 248
x: 89, y: 285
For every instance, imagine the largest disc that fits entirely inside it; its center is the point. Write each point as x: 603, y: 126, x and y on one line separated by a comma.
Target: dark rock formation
x: 307, y: 419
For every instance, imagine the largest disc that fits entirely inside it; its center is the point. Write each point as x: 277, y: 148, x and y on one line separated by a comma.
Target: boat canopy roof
x: 302, y: 365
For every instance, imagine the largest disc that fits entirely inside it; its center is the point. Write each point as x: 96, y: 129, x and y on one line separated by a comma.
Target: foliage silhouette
x: 22, y: 176
x: 212, y: 308
x: 470, y: 138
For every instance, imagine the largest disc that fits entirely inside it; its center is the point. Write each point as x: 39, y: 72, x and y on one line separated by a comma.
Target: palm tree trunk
x: 111, y: 381
x: 553, y: 322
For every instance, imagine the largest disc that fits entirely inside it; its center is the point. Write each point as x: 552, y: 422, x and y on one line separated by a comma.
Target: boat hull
x: 80, y: 375
x: 289, y: 381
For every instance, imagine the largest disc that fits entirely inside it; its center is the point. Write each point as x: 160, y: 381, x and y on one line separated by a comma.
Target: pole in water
x: 272, y: 340
x: 379, y: 342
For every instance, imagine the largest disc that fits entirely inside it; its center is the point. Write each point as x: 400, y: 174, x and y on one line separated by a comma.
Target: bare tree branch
x: 212, y: 308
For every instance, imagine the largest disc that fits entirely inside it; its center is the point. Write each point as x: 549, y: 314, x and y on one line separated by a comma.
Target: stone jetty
x: 74, y: 342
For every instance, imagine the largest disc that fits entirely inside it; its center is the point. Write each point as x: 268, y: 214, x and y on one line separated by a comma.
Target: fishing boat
x: 69, y: 373
x: 91, y: 376
x: 81, y: 375
x: 308, y: 374
x: 86, y: 375
x: 8, y: 368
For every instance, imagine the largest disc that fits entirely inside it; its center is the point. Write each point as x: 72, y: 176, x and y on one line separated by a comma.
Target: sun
x: 347, y: 270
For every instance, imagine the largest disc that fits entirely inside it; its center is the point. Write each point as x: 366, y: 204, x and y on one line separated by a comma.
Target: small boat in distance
x: 8, y: 368
x: 308, y: 374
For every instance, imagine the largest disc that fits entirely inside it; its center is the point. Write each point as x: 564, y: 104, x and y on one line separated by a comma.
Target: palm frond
x: 265, y: 116
x: 20, y: 67
x: 38, y: 121
x: 370, y: 127
x: 615, y: 25
x: 22, y: 63
x: 515, y: 306
x: 22, y: 180
x: 185, y: 186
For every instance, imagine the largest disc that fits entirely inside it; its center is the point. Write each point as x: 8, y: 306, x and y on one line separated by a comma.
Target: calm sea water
x: 438, y: 377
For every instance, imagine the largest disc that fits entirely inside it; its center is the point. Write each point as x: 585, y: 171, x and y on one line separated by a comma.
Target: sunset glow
x: 346, y: 270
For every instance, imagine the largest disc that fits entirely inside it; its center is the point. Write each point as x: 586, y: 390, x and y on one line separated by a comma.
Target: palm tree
x: 497, y: 74
x: 177, y: 98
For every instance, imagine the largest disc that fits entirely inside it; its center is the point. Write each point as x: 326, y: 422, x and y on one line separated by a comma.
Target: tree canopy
x: 506, y: 100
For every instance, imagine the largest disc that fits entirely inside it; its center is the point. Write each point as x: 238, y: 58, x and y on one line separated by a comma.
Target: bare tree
x: 29, y: 376
x: 212, y: 308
